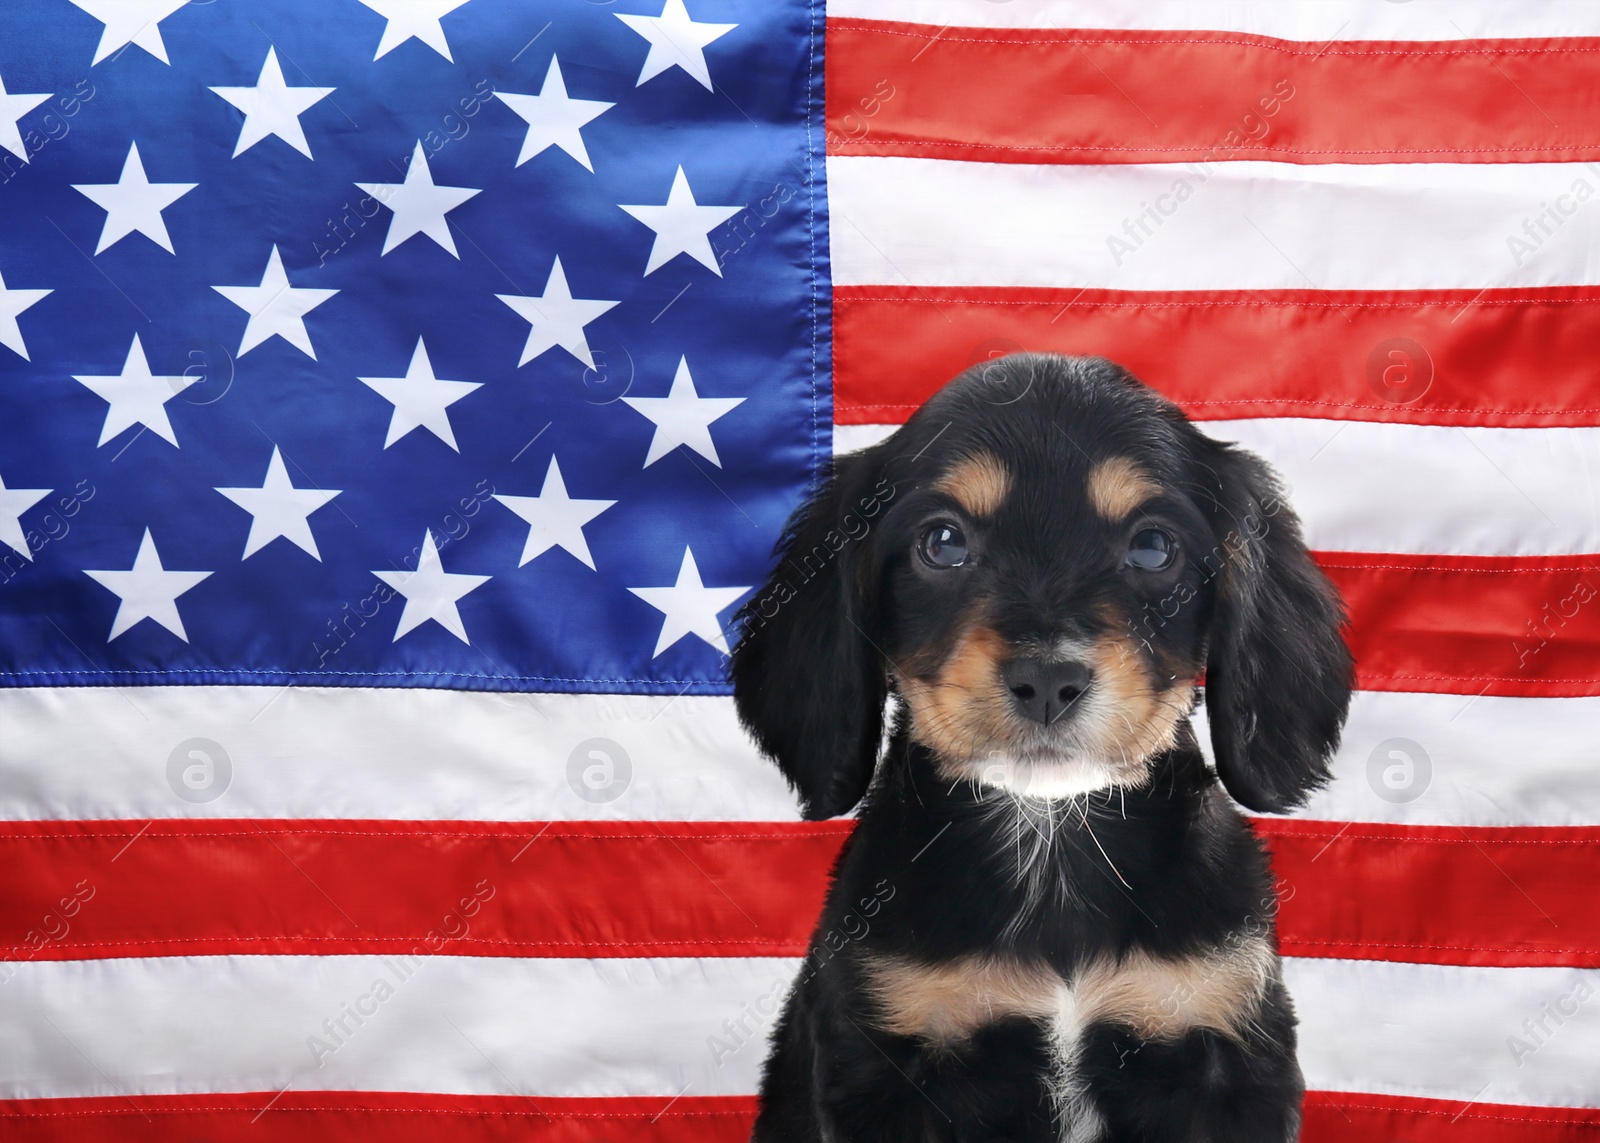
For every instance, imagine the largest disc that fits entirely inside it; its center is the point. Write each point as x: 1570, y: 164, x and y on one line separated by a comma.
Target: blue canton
x: 470, y: 343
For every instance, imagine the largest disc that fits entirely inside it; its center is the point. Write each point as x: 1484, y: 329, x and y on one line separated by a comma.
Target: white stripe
x: 85, y: 753
x: 352, y: 752
x: 1449, y: 1032
x: 1368, y: 486
x: 456, y: 1025
x: 1456, y: 760
x: 1242, y: 225
x: 1376, y: 487
x: 661, y: 1027
x: 1321, y: 20
x: 853, y: 438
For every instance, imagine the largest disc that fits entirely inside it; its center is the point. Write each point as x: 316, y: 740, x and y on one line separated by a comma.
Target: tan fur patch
x: 1163, y: 999
x: 965, y: 705
x: 1118, y: 486
x: 948, y: 1002
x: 962, y: 710
x: 978, y: 483
x: 1147, y: 715
x: 1159, y: 998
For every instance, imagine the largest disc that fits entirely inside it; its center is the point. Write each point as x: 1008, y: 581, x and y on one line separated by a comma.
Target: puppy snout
x: 1044, y: 691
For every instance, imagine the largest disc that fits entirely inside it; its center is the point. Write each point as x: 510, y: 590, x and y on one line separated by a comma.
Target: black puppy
x: 1050, y: 923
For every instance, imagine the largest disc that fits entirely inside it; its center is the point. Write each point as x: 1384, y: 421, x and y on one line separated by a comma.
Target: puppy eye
x: 943, y: 545
x: 1151, y: 549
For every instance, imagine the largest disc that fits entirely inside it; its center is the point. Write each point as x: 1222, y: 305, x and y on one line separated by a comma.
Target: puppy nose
x: 1044, y: 691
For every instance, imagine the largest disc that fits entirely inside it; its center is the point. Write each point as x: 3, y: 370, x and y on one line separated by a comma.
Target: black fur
x: 1165, y: 866
x: 1275, y: 648
x: 811, y: 684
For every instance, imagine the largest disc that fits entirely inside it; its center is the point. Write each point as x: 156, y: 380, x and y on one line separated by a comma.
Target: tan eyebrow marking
x: 979, y: 483
x: 1118, y: 486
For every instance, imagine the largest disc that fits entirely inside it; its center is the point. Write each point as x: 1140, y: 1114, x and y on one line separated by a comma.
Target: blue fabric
x: 758, y: 332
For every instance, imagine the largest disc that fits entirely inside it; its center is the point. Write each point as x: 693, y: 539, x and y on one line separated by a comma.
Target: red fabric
x: 1436, y: 894
x: 568, y: 889
x: 1496, y: 625
x: 371, y: 1117
x: 1441, y: 895
x: 407, y: 1118
x: 399, y: 1117
x: 1511, y: 357
x: 1091, y: 96
x: 1337, y: 1117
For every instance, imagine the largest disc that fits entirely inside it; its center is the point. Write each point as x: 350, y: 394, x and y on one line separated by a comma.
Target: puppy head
x: 1041, y: 563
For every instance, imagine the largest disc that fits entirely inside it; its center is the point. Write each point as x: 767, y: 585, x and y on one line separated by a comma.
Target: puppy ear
x: 1278, y: 675
x: 808, y: 681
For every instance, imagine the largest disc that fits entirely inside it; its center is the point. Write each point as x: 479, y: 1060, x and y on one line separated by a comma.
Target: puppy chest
x: 1158, y: 997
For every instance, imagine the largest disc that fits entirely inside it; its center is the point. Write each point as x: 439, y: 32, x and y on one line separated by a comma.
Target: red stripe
x: 381, y: 1117
x: 1355, y: 1117
x: 1512, y: 357
x: 1091, y: 96
x: 1507, y: 896
x: 399, y: 1117
x: 1422, y: 894
x: 1496, y: 625
x: 88, y: 889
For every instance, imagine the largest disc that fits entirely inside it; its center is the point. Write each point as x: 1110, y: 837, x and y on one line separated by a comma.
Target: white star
x: 136, y: 396
x: 420, y: 399
x: 682, y: 226
x: 556, y: 318
x: 431, y: 592
x: 147, y: 590
x: 12, y: 303
x: 272, y: 107
x: 682, y: 417
x: 419, y: 204
x: 276, y: 308
x: 15, y: 501
x: 556, y: 520
x: 14, y: 107
x: 689, y: 607
x: 133, y: 202
x: 413, y: 18
x: 676, y: 41
x: 279, y: 508
x: 136, y: 22
x: 553, y: 119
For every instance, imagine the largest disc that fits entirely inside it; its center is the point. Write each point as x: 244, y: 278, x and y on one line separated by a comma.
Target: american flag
x: 398, y: 397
